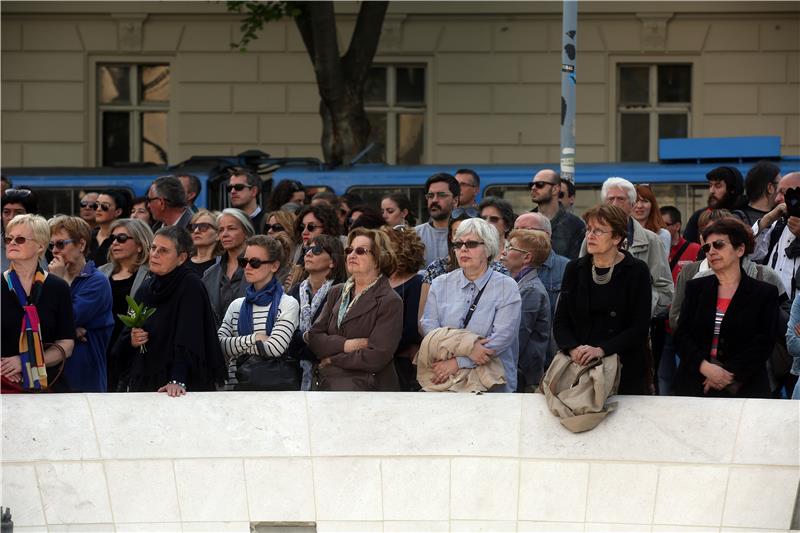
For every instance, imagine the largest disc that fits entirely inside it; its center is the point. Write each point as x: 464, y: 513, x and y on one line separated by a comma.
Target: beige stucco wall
x: 493, y: 71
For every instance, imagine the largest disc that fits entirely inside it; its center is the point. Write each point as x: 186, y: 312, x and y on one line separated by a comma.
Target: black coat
x: 747, y: 335
x: 617, y: 322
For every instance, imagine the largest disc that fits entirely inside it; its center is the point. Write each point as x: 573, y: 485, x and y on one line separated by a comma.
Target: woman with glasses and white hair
x: 126, y: 270
x: 357, y: 334
x: 35, y: 298
x: 477, y: 299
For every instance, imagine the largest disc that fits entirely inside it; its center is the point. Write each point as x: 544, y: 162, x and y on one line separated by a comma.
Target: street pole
x: 569, y: 51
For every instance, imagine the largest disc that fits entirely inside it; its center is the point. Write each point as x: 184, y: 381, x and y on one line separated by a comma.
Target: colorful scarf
x: 269, y: 295
x: 31, y: 349
x: 309, y: 304
x: 346, y: 304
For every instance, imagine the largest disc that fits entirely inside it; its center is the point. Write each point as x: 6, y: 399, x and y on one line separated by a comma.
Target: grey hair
x: 171, y: 189
x: 485, y: 232
x: 623, y: 184
x: 544, y: 222
x: 239, y: 215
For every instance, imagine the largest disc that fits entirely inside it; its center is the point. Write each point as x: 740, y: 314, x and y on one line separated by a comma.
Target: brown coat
x: 378, y: 316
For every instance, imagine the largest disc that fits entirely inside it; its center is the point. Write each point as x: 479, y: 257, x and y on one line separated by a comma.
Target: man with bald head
x: 568, y: 230
x: 776, y: 237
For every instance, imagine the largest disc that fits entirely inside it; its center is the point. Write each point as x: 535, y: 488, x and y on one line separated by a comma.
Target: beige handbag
x: 577, y: 394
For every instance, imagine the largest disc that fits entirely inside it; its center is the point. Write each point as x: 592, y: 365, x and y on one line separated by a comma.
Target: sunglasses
x: 104, y: 207
x: 89, y: 205
x: 310, y: 227
x: 493, y: 219
x: 19, y: 192
x: 471, y: 245
x: 20, y: 240
x: 253, y: 262
x: 121, y: 238
x: 359, y: 251
x: 718, y: 245
x: 441, y: 195
x: 202, y: 226
x: 275, y: 228
x: 317, y: 249
x: 59, y: 244
x: 238, y: 187
x: 540, y: 184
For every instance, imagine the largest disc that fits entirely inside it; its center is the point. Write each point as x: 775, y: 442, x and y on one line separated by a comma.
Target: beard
x: 714, y: 203
x: 441, y: 215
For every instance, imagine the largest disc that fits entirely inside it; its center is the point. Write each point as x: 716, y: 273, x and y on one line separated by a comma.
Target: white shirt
x: 778, y: 260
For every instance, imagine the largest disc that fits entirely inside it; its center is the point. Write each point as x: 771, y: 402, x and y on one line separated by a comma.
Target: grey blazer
x: 139, y: 277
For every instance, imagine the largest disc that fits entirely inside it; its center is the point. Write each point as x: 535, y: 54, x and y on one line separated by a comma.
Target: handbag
x: 264, y: 373
x: 10, y: 387
x: 577, y: 394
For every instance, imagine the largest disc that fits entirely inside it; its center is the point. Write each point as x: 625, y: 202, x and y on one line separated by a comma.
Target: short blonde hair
x: 536, y: 242
x: 77, y: 228
x: 39, y: 228
x: 381, y: 248
x: 142, y: 235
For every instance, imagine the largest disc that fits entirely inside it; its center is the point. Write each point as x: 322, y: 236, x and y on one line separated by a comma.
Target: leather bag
x: 577, y: 394
x: 267, y: 373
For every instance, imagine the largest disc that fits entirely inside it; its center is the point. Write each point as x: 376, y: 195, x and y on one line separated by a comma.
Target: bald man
x: 568, y: 230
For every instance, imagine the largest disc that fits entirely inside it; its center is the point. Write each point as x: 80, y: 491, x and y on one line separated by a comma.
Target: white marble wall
x: 394, y: 462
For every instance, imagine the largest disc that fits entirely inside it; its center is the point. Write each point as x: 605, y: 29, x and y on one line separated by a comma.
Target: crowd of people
x: 329, y: 292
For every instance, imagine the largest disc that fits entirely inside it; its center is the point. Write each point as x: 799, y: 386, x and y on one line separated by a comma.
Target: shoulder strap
x: 475, y: 302
x: 678, y: 255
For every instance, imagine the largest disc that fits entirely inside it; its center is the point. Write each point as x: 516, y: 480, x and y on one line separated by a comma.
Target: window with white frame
x: 394, y: 97
x: 132, y: 111
x: 654, y: 101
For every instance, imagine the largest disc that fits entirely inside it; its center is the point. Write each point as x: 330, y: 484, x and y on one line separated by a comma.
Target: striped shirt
x: 722, y: 308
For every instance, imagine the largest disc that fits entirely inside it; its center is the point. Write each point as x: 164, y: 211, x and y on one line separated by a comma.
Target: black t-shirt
x: 55, y: 315
x: 200, y: 268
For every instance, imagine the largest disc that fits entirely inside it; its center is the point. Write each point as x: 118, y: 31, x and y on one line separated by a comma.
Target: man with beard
x: 725, y: 191
x: 441, y: 191
x: 568, y: 230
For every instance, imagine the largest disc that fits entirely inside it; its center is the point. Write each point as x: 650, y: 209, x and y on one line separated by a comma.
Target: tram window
x: 372, y: 196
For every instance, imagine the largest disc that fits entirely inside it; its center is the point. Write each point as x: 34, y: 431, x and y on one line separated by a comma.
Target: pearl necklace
x: 603, y: 279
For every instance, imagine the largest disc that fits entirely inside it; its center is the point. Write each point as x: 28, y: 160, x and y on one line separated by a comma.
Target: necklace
x: 602, y: 279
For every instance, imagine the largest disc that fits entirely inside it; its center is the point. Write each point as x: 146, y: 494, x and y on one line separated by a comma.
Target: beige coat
x: 442, y: 344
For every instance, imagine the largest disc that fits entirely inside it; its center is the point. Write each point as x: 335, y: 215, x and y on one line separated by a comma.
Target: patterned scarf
x: 309, y: 304
x: 346, y: 304
x: 31, y: 349
x: 270, y: 295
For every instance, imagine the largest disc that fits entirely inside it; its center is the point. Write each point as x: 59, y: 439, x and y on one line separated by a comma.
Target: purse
x: 264, y: 373
x: 10, y: 387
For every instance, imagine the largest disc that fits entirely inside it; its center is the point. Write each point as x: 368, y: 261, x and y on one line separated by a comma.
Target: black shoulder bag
x: 475, y: 303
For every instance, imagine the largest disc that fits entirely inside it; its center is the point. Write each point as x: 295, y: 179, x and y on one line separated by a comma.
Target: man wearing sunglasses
x: 167, y: 201
x: 244, y: 190
x: 568, y: 230
x: 441, y: 191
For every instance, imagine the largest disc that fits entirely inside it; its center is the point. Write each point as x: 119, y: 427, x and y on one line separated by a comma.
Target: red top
x: 689, y: 255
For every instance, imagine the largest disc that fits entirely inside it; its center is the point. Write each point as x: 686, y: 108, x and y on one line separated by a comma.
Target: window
x: 133, y: 103
x: 654, y: 102
x: 394, y: 97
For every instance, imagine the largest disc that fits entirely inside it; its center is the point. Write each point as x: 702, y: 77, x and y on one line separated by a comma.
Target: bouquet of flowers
x: 136, y: 316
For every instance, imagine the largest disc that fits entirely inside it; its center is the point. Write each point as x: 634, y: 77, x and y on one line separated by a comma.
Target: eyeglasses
x: 359, y: 251
x: 238, y: 187
x: 19, y: 239
x: 19, y: 192
x: 310, y: 227
x: 492, y: 219
x: 104, y: 207
x: 597, y: 232
x: 121, y: 238
x: 441, y: 195
x: 275, y: 228
x: 147, y: 200
x: 471, y: 245
x: 540, y: 184
x: 156, y: 250
x: 508, y: 247
x: 317, y: 249
x: 60, y: 244
x: 202, y: 227
x: 718, y: 245
x: 254, y: 262
x: 89, y: 205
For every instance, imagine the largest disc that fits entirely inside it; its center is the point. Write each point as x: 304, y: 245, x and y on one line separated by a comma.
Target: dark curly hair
x: 409, y: 250
x: 736, y: 230
x: 324, y: 213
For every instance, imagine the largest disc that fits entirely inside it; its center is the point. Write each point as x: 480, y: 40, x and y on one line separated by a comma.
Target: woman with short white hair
x: 477, y: 299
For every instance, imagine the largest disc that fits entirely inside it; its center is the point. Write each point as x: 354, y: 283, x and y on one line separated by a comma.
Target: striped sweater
x: 286, y: 322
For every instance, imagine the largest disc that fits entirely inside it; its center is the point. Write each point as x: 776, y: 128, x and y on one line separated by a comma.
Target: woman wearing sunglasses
x: 357, y: 334
x: 728, y: 321
x: 126, y: 270
x: 27, y: 287
x: 205, y: 237
x: 477, y: 299
x: 177, y: 349
x: 324, y: 267
x: 604, y: 306
x: 109, y: 206
x: 500, y: 214
x: 314, y: 220
x: 86, y: 370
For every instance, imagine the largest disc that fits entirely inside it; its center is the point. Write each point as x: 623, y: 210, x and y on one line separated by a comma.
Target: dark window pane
x: 410, y: 138
x: 634, y: 85
x: 116, y: 138
x: 673, y: 126
x: 154, y: 83
x: 674, y: 83
x: 634, y: 137
x: 154, y: 137
x: 377, y: 134
x: 410, y: 86
x: 114, y: 84
x: 375, y: 86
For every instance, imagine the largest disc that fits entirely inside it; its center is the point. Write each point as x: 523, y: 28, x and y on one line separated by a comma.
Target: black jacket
x: 747, y: 335
x: 618, y: 323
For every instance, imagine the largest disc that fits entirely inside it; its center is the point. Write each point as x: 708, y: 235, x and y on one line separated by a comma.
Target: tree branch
x: 303, y: 23
x: 364, y: 42
x: 327, y: 64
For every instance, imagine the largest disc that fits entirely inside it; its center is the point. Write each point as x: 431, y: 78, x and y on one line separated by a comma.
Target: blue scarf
x: 272, y: 292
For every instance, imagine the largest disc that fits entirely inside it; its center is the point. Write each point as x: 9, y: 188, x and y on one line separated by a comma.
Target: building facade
x: 85, y: 84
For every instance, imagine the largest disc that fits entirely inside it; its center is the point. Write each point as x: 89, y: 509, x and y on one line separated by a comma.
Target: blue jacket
x: 85, y: 370
x: 792, y: 340
x: 534, y: 328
